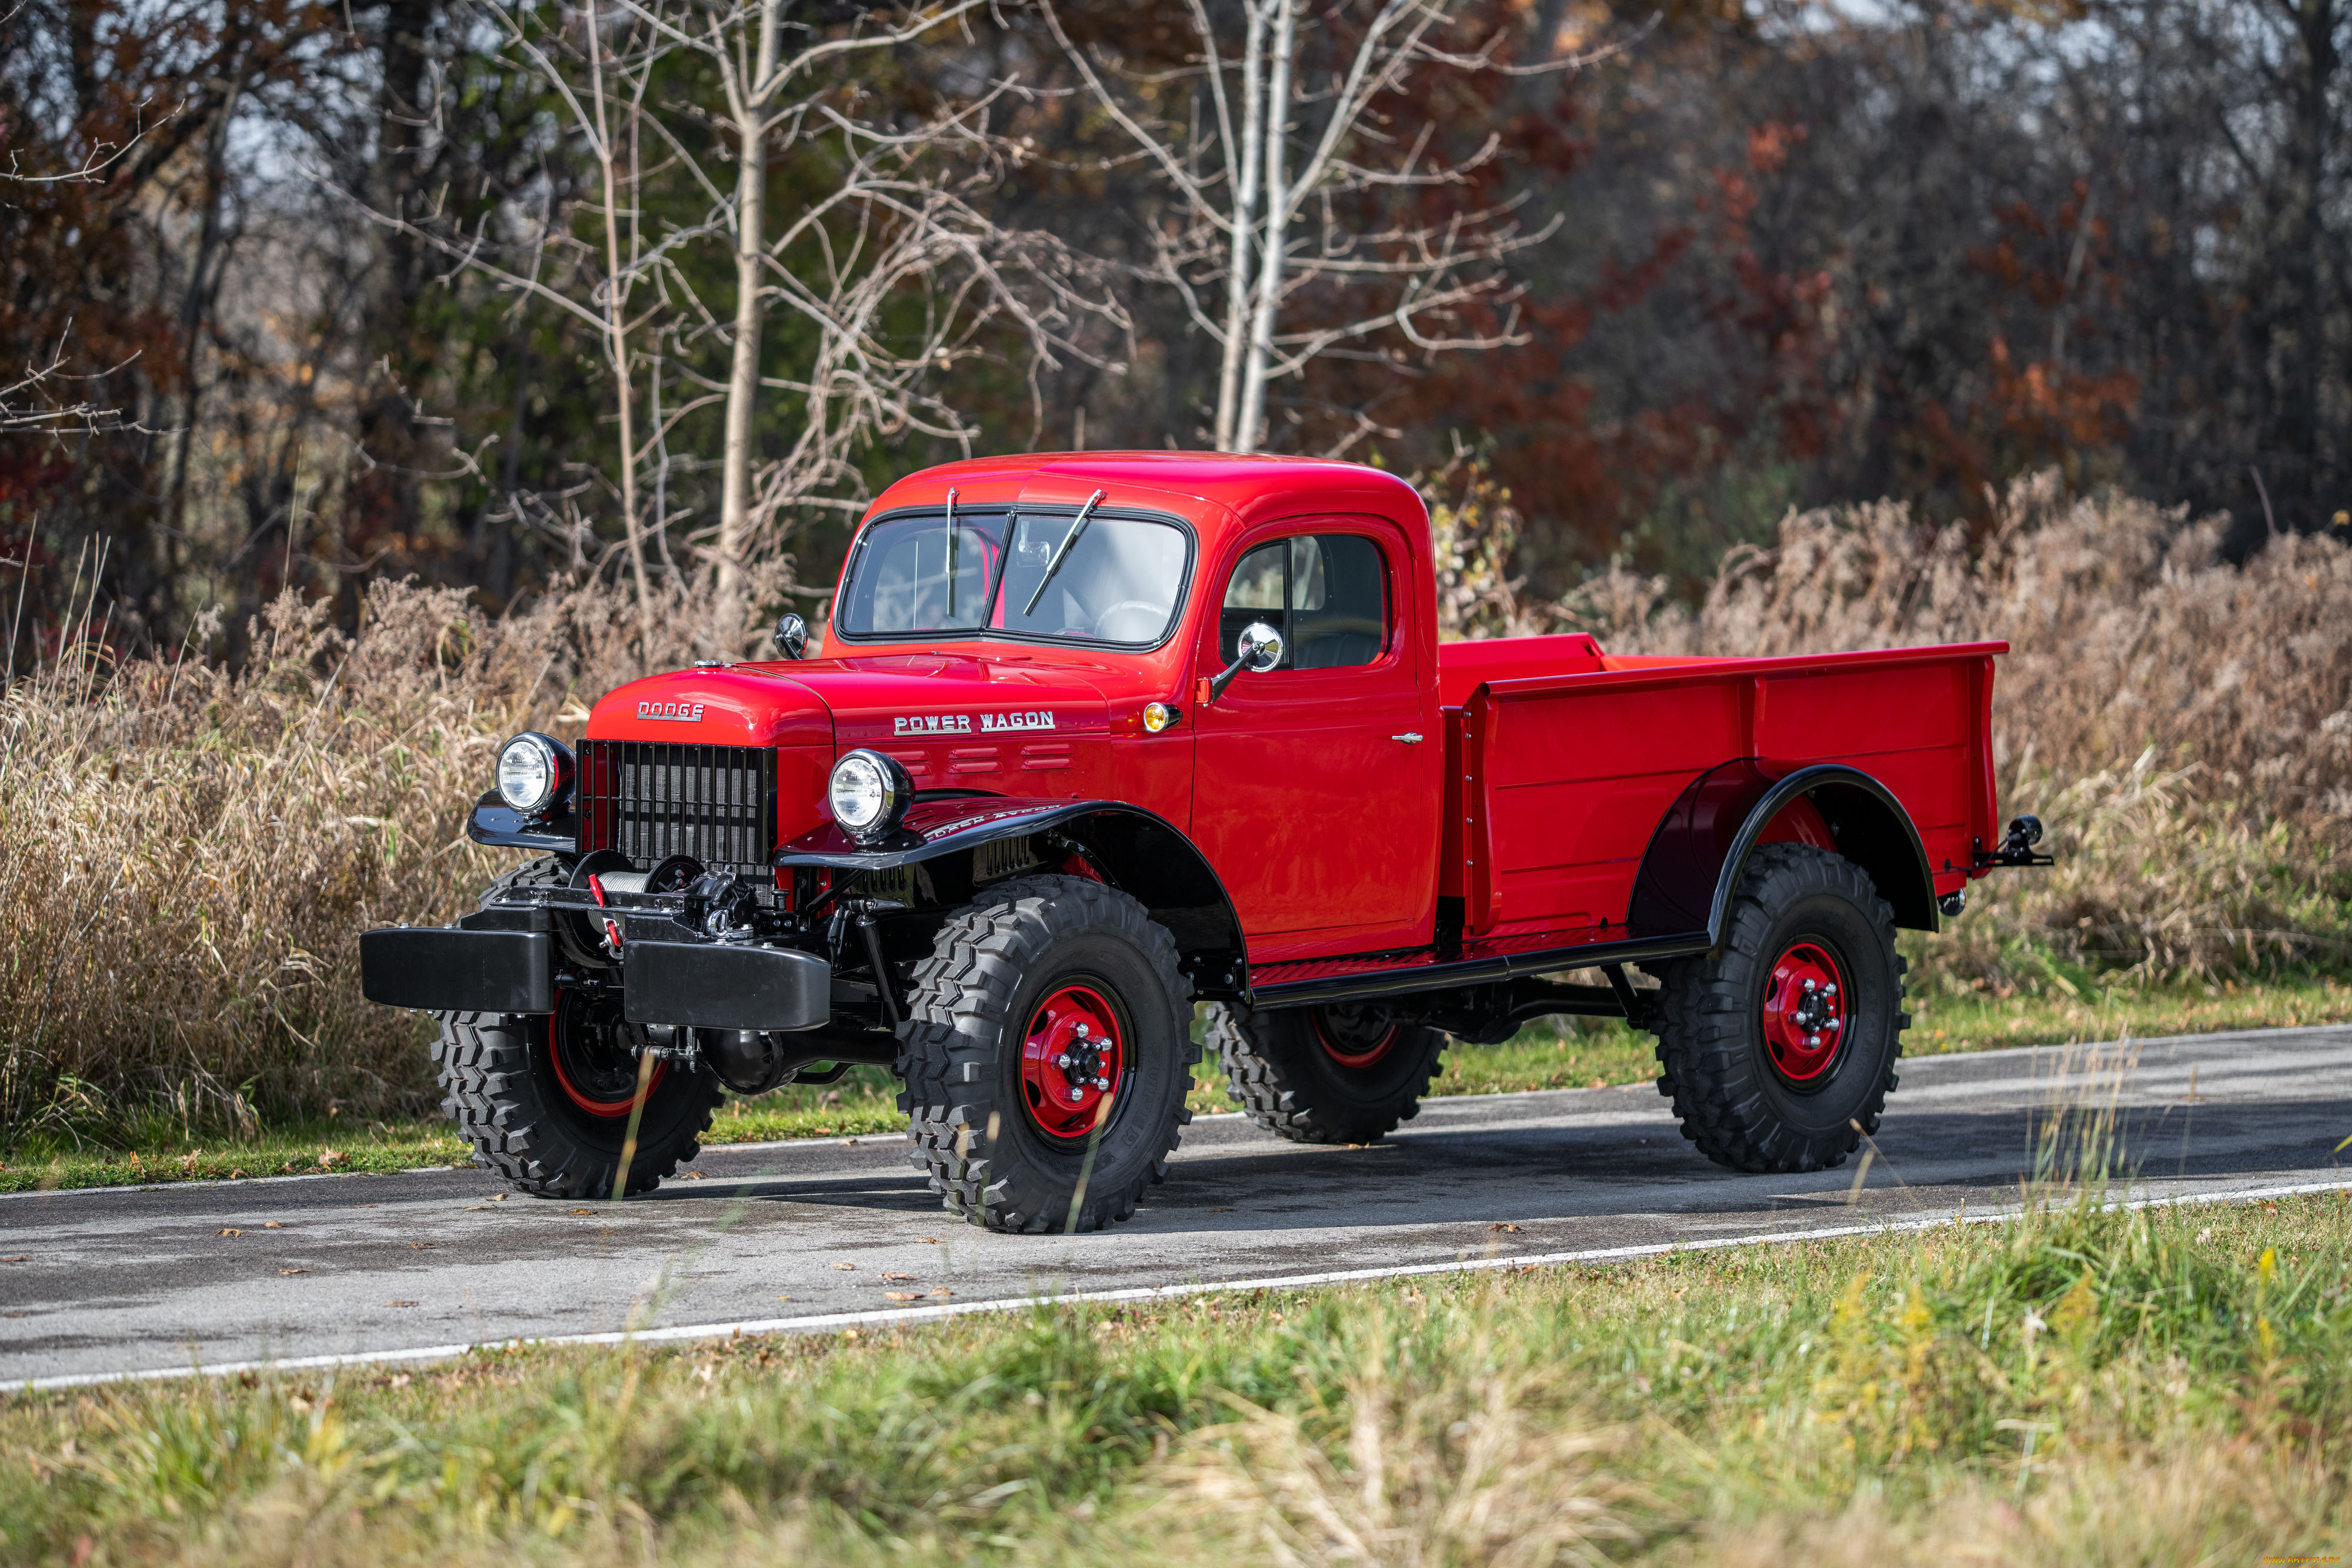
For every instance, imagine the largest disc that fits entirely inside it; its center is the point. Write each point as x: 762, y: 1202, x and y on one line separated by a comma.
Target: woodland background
x: 1732, y: 331
x: 1754, y: 257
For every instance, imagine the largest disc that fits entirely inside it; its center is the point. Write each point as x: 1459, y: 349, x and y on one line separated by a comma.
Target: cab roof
x: 1241, y: 485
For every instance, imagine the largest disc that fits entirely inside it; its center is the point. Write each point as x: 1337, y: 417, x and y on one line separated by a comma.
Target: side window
x: 1326, y: 593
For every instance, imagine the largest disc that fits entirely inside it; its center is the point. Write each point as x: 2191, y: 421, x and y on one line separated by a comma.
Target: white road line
x: 904, y: 1315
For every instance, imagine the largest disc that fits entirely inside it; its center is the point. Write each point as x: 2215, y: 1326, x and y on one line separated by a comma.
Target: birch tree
x: 1315, y: 115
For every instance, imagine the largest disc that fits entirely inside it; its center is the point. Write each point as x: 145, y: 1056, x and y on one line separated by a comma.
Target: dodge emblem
x: 671, y: 712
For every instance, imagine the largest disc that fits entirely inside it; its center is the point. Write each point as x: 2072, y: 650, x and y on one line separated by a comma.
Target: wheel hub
x: 595, y: 1052
x: 1072, y: 1062
x: 1805, y: 1004
x: 1355, y: 1036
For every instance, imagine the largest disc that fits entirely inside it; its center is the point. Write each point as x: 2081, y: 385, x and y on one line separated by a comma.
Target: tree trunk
x: 1245, y: 217
x: 1249, y: 433
x: 743, y: 375
x: 618, y: 338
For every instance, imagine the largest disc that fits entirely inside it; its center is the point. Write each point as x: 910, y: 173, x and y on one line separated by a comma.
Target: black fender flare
x: 1701, y: 846
x: 1139, y: 852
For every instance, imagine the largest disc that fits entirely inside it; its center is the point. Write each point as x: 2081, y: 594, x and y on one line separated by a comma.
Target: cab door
x: 1316, y: 786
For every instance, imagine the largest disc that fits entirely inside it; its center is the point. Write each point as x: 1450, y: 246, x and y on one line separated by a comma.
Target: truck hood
x: 907, y: 702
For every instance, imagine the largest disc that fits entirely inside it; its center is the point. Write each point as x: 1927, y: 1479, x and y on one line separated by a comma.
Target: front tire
x: 545, y: 1099
x: 1344, y: 1075
x: 1779, y: 1049
x: 1047, y: 1056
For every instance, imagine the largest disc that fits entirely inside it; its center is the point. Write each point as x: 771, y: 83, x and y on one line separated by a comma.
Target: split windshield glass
x: 1114, y: 581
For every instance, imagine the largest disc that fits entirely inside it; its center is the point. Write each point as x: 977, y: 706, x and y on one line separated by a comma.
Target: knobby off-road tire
x: 1324, y: 1075
x: 1733, y: 1033
x: 994, y: 1121
x: 553, y: 1135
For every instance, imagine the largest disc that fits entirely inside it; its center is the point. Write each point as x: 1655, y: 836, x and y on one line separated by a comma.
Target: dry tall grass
x: 192, y: 853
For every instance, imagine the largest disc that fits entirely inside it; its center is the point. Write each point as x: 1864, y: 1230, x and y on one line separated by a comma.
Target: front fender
x: 1138, y: 851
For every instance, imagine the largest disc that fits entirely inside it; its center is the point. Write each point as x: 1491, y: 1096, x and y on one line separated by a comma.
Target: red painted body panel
x: 1542, y: 768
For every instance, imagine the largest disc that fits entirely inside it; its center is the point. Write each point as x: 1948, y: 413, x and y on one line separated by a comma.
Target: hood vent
x: 653, y: 800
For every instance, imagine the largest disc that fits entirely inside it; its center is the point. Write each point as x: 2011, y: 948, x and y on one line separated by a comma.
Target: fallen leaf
x: 932, y: 1239
x: 271, y: 1225
x: 943, y: 1291
x: 694, y: 1176
x: 899, y: 1279
x: 293, y: 1270
x: 228, y: 1230
x: 579, y: 1211
x: 845, y: 1265
x: 1228, y: 1210
x: 19, y: 1258
x: 784, y: 1298
x: 849, y: 1143
x: 478, y: 1208
x: 1502, y: 1227
x: 400, y: 1303
x: 420, y: 1246
x: 902, y: 1295
x: 501, y: 1197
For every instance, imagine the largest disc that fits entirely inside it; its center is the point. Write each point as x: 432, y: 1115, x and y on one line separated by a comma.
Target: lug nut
x: 1078, y: 1094
x: 1102, y: 1082
x: 1063, y: 1060
x: 1813, y: 1042
x: 1811, y: 987
x: 1831, y: 991
x: 1082, y: 1032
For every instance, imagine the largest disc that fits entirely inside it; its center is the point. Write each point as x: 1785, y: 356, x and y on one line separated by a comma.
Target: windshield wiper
x: 952, y: 555
x: 1061, y: 553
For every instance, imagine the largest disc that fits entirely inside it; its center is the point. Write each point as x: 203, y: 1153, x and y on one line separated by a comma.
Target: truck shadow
x: 1925, y: 1161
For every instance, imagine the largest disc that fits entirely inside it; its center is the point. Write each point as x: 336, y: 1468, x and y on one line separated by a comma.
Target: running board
x: 1477, y: 962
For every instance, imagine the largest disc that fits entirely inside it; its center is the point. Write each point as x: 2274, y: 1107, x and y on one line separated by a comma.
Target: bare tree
x: 1273, y: 200
x: 894, y: 268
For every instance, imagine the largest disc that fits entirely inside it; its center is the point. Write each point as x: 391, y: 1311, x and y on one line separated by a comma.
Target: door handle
x: 1410, y: 738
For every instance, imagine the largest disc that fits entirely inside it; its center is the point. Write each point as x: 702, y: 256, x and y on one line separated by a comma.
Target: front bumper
x: 696, y: 985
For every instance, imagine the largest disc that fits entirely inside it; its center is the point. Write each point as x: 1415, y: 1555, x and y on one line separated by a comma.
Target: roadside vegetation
x: 191, y: 852
x: 2069, y: 1387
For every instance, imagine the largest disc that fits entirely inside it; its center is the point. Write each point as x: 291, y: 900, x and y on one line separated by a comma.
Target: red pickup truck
x: 1096, y: 737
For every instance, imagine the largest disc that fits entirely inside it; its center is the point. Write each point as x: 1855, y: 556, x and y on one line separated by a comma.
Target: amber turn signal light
x: 1158, y: 717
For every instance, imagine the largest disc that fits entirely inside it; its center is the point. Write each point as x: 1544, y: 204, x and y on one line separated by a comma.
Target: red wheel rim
x: 590, y: 1060
x: 1807, y: 1009
x: 1355, y: 1037
x: 1073, y: 1062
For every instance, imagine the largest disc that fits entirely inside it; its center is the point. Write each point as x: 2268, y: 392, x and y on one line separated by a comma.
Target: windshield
x: 1068, y: 576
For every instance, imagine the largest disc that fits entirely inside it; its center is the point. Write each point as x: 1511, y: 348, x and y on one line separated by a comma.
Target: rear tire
x: 1779, y: 1048
x: 1327, y: 1074
x: 1010, y: 1137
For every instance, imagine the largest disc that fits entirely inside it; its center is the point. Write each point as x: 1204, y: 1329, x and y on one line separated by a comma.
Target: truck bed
x: 1558, y: 778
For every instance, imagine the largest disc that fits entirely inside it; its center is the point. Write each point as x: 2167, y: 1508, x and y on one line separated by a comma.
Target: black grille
x: 652, y: 799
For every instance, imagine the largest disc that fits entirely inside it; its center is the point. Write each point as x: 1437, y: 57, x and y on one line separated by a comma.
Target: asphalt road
x: 162, y: 1279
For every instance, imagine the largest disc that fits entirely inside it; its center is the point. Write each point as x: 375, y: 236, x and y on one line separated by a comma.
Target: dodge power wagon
x: 1097, y: 738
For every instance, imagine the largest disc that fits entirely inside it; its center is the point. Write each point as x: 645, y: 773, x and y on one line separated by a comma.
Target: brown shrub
x: 192, y: 854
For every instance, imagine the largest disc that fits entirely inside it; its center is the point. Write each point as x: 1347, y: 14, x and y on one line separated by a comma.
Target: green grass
x: 1584, y: 1053
x: 2070, y: 1388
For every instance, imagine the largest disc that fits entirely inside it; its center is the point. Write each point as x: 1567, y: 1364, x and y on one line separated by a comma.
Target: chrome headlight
x: 534, y: 774
x: 869, y: 793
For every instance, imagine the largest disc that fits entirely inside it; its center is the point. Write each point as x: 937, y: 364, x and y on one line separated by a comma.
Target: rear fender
x: 1696, y: 857
x: 1141, y: 853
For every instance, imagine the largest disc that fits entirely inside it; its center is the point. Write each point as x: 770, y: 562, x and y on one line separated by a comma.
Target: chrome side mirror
x: 791, y: 635
x: 1258, y: 650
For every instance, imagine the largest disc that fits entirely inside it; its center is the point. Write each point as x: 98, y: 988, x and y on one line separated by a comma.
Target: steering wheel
x: 1157, y: 613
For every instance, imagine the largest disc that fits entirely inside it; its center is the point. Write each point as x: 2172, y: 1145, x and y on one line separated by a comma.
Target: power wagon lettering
x: 961, y: 722
x: 1276, y: 795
